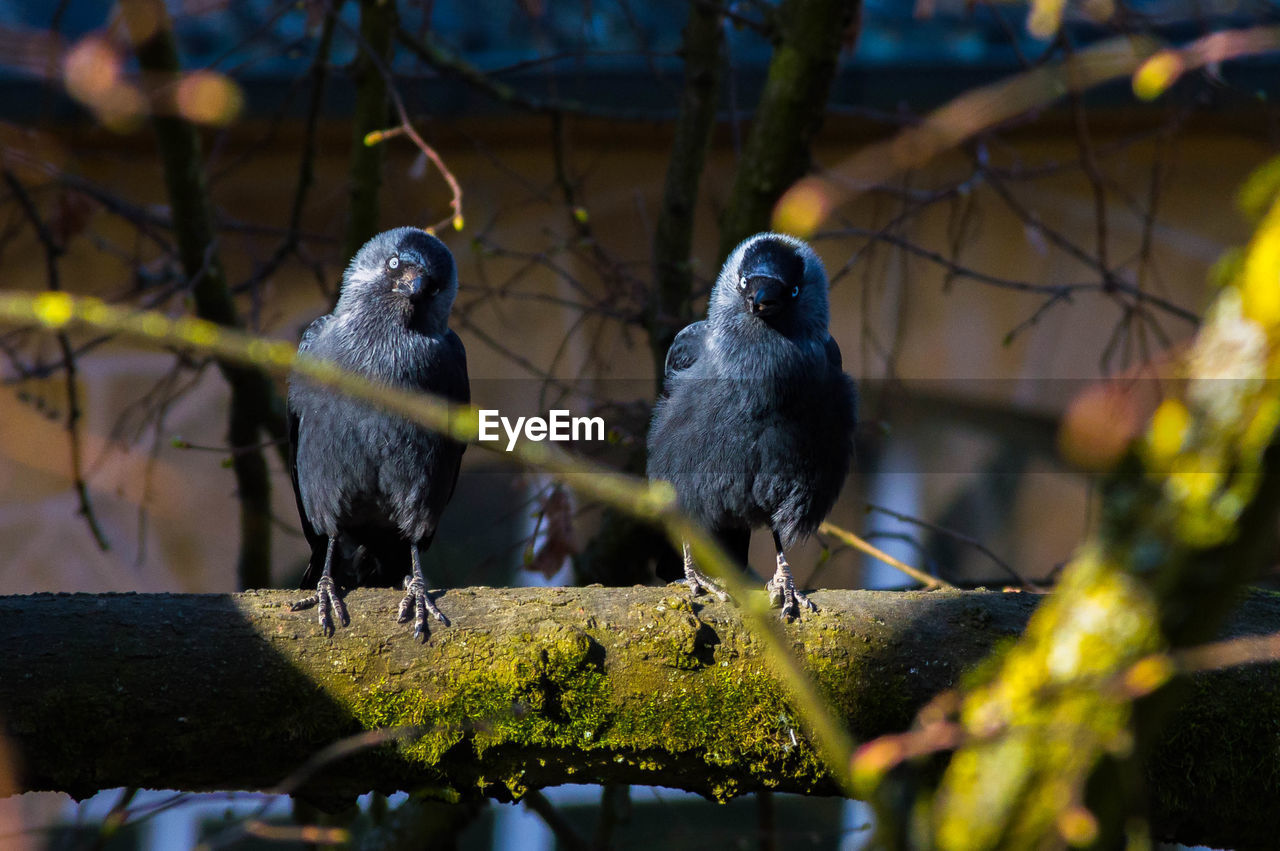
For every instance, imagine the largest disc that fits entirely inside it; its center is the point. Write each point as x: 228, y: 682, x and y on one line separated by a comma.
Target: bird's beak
x: 767, y: 299
x: 410, y: 286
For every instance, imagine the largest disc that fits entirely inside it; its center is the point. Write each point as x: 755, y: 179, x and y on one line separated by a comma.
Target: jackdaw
x: 755, y: 424
x: 370, y: 485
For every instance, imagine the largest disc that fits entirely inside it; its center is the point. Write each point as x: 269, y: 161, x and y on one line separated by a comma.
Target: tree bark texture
x: 538, y: 687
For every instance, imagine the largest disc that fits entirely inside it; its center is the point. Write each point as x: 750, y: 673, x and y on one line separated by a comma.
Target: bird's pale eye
x: 393, y: 262
x: 796, y: 291
x: 742, y: 282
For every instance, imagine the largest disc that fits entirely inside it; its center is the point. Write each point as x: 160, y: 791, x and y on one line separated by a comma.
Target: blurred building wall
x: 896, y: 316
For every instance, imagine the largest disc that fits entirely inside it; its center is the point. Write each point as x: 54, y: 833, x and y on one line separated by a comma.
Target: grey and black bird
x: 755, y: 424
x: 371, y: 486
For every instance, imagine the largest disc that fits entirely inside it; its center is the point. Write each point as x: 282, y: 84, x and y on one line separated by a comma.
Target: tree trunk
x: 538, y: 687
x: 377, y: 26
x: 255, y: 406
x: 703, y: 54
x: 789, y: 113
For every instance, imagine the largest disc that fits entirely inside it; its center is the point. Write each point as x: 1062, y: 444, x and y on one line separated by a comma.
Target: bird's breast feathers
x: 747, y: 352
x: 388, y: 352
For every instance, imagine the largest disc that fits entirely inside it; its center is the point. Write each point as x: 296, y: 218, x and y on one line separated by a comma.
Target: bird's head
x: 776, y: 279
x: 406, y: 271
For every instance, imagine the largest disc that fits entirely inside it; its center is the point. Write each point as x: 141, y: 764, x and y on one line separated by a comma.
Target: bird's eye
x: 795, y: 292
x: 393, y: 262
x: 742, y: 282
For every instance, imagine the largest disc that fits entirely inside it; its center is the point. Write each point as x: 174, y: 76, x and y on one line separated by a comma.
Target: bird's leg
x: 782, y: 587
x: 698, y: 581
x: 417, y: 600
x: 326, y: 595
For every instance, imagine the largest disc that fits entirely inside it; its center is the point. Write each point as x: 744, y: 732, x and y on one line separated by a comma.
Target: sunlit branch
x: 654, y: 502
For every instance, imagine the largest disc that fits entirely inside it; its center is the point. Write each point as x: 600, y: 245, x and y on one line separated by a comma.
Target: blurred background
x: 1067, y: 238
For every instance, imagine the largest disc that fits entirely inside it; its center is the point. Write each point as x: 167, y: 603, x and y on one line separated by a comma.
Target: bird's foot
x: 783, y: 592
x: 417, y: 600
x: 328, y: 599
x: 700, y: 583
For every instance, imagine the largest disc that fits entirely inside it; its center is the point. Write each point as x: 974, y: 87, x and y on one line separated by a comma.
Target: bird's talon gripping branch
x: 339, y: 607
x: 418, y: 601
x: 412, y: 602
x: 326, y: 597
x: 789, y: 599
x: 698, y: 582
x: 783, y: 592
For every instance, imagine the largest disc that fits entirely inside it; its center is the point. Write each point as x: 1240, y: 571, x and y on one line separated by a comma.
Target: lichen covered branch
x: 1187, y: 517
x: 528, y: 688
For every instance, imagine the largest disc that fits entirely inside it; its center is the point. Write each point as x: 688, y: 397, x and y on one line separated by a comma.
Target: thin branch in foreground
x: 808, y: 203
x: 936, y: 729
x: 849, y: 539
x: 1248, y: 650
x: 957, y: 536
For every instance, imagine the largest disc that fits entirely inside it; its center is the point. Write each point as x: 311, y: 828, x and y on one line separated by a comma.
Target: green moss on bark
x: 537, y: 687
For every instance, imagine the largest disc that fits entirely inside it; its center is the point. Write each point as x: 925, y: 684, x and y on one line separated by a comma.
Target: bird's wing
x: 685, y: 349
x: 837, y: 371
x: 456, y: 386
x: 833, y: 354
x: 314, y: 538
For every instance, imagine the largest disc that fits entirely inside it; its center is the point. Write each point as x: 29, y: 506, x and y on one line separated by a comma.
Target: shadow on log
x: 532, y: 688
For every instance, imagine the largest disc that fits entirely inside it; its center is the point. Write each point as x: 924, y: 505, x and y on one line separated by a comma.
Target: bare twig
x: 861, y: 545
x: 306, y: 158
x: 52, y: 252
x: 958, y: 536
x: 436, y: 55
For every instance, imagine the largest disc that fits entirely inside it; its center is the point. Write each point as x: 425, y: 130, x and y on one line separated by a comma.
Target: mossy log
x: 534, y: 687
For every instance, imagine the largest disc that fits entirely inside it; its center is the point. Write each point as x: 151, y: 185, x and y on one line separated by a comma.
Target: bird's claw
x: 328, y: 599
x: 699, y: 583
x: 417, y: 600
x: 783, y: 592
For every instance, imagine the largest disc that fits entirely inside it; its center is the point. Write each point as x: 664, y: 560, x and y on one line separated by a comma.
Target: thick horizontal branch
x: 535, y: 687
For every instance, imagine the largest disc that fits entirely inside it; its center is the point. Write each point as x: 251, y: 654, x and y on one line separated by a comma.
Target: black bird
x: 370, y: 485
x: 755, y: 427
